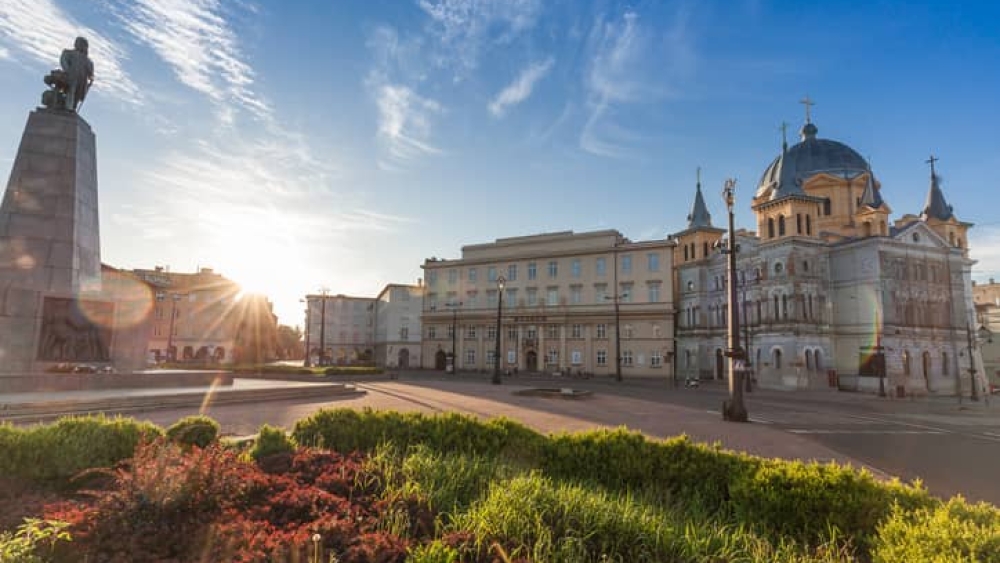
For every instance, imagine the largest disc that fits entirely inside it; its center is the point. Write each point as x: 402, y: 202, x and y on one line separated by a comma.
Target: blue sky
x: 297, y: 144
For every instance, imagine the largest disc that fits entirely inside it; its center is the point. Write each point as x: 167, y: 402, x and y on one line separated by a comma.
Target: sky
x: 293, y: 145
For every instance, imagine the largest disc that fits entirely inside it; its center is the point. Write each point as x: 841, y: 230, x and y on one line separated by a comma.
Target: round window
x: 778, y: 267
x: 690, y: 285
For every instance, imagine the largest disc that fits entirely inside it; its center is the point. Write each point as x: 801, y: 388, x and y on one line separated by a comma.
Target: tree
x: 256, y: 330
x: 290, y: 343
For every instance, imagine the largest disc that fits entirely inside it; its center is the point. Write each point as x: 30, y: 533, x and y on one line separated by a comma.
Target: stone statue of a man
x: 70, y: 84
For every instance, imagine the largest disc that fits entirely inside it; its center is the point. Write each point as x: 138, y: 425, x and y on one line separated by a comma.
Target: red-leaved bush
x: 169, y: 504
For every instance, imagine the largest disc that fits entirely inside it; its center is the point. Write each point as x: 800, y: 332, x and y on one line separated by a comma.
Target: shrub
x: 197, y: 430
x: 434, y: 552
x: 352, y: 370
x: 271, y: 441
x: 953, y: 531
x: 804, y: 500
x: 55, y: 452
x: 33, y: 541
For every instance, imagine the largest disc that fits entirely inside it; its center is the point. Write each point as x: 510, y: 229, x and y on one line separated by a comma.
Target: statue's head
x: 81, y: 45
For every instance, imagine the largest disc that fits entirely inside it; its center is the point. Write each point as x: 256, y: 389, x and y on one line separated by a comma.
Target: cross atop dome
x: 808, y: 103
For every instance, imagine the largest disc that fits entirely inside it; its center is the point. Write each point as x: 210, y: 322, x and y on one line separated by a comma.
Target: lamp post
x: 880, y: 365
x: 746, y: 334
x: 454, y: 330
x: 496, y: 351
x: 323, y: 292
x: 618, y: 333
x: 974, y: 394
x: 172, y: 356
x: 308, y: 359
x: 733, y: 410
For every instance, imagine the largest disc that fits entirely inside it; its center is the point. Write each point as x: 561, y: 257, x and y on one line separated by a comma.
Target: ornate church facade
x: 831, y: 292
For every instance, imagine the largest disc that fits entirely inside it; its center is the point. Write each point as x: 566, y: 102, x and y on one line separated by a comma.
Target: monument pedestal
x: 50, y: 262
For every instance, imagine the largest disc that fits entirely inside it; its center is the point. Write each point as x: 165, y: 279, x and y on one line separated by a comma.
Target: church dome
x: 811, y: 156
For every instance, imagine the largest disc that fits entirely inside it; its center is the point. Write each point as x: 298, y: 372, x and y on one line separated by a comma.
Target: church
x: 832, y: 292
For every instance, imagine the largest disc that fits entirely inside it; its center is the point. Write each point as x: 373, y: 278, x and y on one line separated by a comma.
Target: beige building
x: 340, y: 329
x: 204, y: 317
x: 565, y: 297
x: 987, y: 329
x: 397, y: 326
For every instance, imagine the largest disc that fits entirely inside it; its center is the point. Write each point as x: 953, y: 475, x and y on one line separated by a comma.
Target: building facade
x: 987, y: 330
x: 830, y: 292
x: 205, y: 317
x: 340, y: 329
x: 565, y: 298
x: 397, y: 326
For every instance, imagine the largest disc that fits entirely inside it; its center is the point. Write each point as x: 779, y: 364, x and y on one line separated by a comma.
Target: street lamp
x: 174, y: 297
x: 733, y: 410
x: 323, y: 292
x: 746, y: 332
x: 618, y: 334
x: 308, y: 359
x: 982, y: 334
x: 454, y: 329
x: 496, y: 351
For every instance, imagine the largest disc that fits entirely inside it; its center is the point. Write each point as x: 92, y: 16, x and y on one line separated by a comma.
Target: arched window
x: 817, y: 360
x: 906, y: 363
x: 685, y: 253
x: 809, y: 360
x: 944, y: 363
x: 926, y: 364
x: 770, y: 228
x: 777, y: 358
x: 809, y: 227
x: 784, y: 306
x: 777, y: 312
x: 798, y: 223
x: 781, y: 225
x: 704, y: 250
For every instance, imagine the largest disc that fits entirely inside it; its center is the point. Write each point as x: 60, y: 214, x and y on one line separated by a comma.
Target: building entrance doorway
x: 720, y: 364
x: 403, y: 359
x: 440, y: 360
x: 531, y: 360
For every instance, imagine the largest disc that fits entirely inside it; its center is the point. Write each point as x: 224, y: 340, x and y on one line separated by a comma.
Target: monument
x: 52, y: 308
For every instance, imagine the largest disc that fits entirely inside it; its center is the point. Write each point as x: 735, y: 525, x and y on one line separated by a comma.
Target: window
x: 470, y: 331
x: 552, y: 331
x: 432, y: 332
x: 781, y: 225
x: 777, y: 359
x: 626, y: 293
x: 532, y: 271
x: 654, y: 292
x: 512, y: 272
x: 600, y: 292
x: 576, y: 331
x: 690, y: 285
x: 490, y: 358
x: 628, y: 331
x: 601, y: 266
x: 798, y: 223
x: 626, y: 357
x: 432, y: 278
x: 770, y: 227
x: 404, y: 333
x: 655, y: 359
x: 827, y: 207
x: 451, y: 331
x: 574, y: 268
x: 552, y: 357
x: 778, y: 267
x: 452, y: 276
x: 576, y: 294
x: 510, y: 297
x: 470, y: 357
x: 157, y: 331
x: 576, y: 358
x: 602, y: 330
x: 532, y: 296
x: 512, y: 333
x: 653, y: 262
x: 532, y: 333
x: 470, y: 299
x: 602, y: 357
x: 553, y: 268
x: 944, y: 363
x: 685, y: 253
x: 432, y: 301
x: 491, y: 297
x: 491, y: 274
x: 159, y: 312
x: 472, y: 275
x: 906, y: 363
x: 491, y: 332
x: 552, y: 296
x: 809, y: 227
x: 627, y: 264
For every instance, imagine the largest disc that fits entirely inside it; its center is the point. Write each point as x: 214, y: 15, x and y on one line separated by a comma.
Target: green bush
x: 352, y: 370
x: 806, y: 500
x: 197, y: 430
x: 56, y: 452
x: 32, y: 541
x: 952, y: 531
x: 433, y: 552
x: 271, y: 441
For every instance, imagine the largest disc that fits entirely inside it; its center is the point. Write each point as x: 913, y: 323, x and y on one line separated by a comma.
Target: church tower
x: 695, y: 242
x: 939, y: 216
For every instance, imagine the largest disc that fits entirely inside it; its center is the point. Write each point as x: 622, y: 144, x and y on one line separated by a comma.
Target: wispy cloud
x: 985, y: 244
x: 39, y: 30
x: 196, y: 40
x: 629, y: 64
x: 520, y: 89
x: 404, y: 123
x: 463, y: 26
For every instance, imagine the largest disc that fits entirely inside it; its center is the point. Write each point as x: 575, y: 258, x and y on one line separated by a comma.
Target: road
x: 952, y: 450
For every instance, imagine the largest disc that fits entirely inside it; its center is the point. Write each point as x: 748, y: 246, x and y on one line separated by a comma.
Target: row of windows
x: 551, y: 331
x: 777, y: 308
x: 629, y: 358
x: 798, y: 225
x: 551, y: 268
x: 550, y: 298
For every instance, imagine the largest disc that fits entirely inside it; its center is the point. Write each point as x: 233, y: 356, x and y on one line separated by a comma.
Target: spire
x: 809, y: 130
x: 935, y: 206
x: 871, y: 197
x: 699, y: 216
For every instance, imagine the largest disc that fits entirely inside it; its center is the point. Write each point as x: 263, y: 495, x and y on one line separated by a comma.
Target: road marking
x: 761, y: 420
x: 828, y: 431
